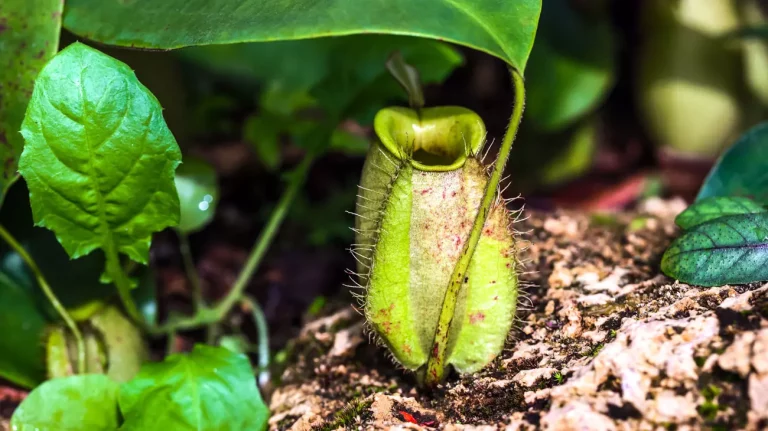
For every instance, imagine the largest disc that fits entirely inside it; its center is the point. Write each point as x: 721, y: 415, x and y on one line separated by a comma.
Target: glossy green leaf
x: 209, y: 389
x: 99, y: 159
x: 29, y: 36
x: 22, y: 325
x: 503, y: 29
x: 715, y: 207
x: 727, y: 250
x: 198, y: 194
x: 572, y: 65
x: 75, y: 403
x: 742, y: 170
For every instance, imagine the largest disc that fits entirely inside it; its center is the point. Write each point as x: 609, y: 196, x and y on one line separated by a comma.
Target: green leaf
x: 198, y: 194
x: 349, y: 143
x: 208, y: 389
x: 263, y: 133
x: 715, y: 207
x: 22, y: 325
x: 99, y: 159
x: 742, y: 170
x: 727, y: 250
x: 75, y: 403
x: 29, y: 36
x: 572, y: 65
x: 504, y: 29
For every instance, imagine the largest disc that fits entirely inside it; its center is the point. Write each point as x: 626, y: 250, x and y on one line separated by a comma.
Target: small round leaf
x: 198, y: 194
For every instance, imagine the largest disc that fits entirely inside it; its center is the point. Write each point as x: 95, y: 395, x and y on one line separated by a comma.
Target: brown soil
x: 604, y: 342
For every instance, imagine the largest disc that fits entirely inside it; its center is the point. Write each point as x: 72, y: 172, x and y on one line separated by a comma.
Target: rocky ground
x: 604, y: 342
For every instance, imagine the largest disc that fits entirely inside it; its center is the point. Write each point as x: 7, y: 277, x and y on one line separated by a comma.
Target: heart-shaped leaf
x: 743, y: 169
x: 727, y: 250
x: 75, y: 403
x: 209, y: 389
x: 503, y: 29
x: 99, y: 159
x: 29, y: 36
x: 198, y: 194
x: 715, y: 207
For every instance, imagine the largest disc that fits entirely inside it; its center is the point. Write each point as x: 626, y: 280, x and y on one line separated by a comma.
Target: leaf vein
x: 136, y: 160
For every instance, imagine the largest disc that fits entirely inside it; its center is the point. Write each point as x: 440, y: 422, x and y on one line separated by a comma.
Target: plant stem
x: 192, y: 274
x: 206, y: 316
x: 262, y: 345
x: 170, y: 347
x: 297, y: 179
x: 436, y: 362
x: 50, y: 295
x: 211, y: 332
x: 123, y: 285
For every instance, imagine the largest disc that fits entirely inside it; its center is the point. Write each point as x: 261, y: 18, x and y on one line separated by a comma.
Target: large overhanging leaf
x: 29, y: 36
x: 503, y: 28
